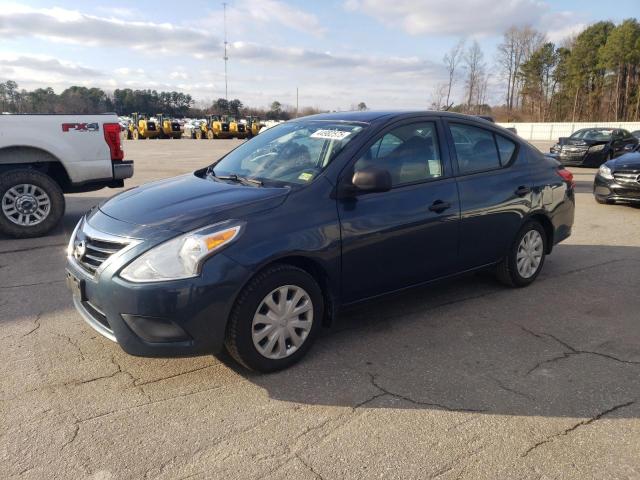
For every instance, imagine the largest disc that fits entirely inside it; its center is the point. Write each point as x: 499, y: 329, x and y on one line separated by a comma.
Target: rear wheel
x: 32, y: 203
x: 525, y: 259
x: 275, y: 319
x: 135, y: 134
x: 199, y: 135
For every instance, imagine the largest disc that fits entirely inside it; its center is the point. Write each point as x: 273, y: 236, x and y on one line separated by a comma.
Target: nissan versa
x: 259, y: 250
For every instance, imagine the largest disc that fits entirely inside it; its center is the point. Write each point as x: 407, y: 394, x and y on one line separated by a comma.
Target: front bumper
x: 611, y: 190
x: 583, y: 159
x: 182, y: 317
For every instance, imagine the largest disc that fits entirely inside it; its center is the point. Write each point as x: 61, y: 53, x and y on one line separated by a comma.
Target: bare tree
x: 473, y: 60
x: 516, y: 48
x: 438, y: 96
x: 451, y: 61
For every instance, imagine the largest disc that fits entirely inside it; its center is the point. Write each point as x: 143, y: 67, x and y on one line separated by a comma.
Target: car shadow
x: 568, y: 345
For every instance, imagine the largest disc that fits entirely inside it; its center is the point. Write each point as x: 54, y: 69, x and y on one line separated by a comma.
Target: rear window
x: 476, y: 148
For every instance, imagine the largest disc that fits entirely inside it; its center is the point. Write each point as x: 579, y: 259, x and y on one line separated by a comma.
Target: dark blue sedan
x: 258, y: 251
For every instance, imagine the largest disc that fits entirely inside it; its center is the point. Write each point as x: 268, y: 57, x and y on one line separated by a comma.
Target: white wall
x: 552, y: 131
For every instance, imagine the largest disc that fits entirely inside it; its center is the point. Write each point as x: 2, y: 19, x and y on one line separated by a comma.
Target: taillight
x: 567, y: 176
x: 112, y: 137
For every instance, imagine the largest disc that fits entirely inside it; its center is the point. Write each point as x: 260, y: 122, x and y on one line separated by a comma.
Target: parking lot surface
x: 465, y: 379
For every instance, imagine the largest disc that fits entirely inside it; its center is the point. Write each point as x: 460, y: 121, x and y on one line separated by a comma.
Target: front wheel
x: 32, y: 203
x: 275, y: 319
x: 525, y: 259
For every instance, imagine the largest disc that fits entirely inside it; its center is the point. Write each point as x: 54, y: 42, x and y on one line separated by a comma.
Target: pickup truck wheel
x: 275, y: 319
x: 32, y: 203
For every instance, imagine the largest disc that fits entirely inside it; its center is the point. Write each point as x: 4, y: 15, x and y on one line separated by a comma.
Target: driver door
x: 408, y: 235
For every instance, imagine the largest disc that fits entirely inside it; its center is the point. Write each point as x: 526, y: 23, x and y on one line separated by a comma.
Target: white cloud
x: 41, y: 63
x: 461, y: 17
x: 70, y: 26
x: 304, y: 58
x: 268, y: 15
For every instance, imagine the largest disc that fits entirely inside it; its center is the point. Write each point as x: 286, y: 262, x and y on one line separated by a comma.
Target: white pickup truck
x: 44, y: 156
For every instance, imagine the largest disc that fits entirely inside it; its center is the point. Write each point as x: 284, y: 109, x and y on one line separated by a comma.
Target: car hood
x: 188, y: 202
x: 628, y: 161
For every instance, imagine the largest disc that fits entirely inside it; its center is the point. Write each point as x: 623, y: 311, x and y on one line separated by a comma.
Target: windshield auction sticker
x: 330, y: 134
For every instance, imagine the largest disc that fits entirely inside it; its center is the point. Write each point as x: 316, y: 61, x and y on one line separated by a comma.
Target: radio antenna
x: 226, y: 57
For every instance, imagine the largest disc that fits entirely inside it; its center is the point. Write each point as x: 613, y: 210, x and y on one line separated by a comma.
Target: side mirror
x: 372, y: 179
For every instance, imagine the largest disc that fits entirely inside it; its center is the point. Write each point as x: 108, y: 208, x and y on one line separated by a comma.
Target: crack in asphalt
x: 512, y: 390
x: 74, y: 343
x: 74, y: 435
x: 406, y: 398
x: 149, y: 382
x: 50, y: 282
x: 570, y: 351
x: 29, y: 249
x: 36, y: 325
x: 573, y: 428
x: 309, y: 467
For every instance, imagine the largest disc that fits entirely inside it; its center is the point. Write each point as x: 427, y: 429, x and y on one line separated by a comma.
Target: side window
x: 627, y: 135
x: 475, y: 148
x: 410, y: 153
x: 506, y: 148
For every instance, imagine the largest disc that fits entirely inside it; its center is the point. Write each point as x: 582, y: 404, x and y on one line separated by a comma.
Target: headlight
x: 597, y: 148
x: 181, y: 257
x: 70, y: 245
x: 605, y: 172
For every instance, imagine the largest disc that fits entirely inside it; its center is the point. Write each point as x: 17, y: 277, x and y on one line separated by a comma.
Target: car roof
x: 369, y: 116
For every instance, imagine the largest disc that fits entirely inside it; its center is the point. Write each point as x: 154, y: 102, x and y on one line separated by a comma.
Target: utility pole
x: 226, y: 57
x: 297, y: 101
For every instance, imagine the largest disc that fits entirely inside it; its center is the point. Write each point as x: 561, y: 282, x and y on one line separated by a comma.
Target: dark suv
x: 259, y: 250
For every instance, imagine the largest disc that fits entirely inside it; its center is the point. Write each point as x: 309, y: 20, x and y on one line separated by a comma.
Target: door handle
x: 439, y: 206
x: 522, y: 191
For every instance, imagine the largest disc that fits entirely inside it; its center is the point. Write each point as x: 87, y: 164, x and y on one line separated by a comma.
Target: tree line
x: 594, y: 75
x: 127, y: 101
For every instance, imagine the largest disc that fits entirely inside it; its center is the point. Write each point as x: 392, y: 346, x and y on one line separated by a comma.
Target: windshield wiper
x: 237, y: 178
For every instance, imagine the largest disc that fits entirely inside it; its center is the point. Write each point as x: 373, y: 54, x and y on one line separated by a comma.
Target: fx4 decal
x: 80, y: 127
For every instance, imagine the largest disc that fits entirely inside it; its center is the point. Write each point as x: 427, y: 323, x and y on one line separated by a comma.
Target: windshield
x: 599, y: 135
x: 293, y: 152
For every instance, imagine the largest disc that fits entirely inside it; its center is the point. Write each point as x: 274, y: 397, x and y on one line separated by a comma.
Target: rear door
x: 495, y: 191
x: 409, y: 234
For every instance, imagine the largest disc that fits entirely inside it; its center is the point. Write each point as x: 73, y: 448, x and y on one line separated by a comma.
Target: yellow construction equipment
x: 169, y: 127
x: 141, y: 127
x: 254, y: 125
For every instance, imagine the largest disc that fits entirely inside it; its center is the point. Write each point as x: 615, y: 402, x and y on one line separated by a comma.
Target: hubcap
x: 26, y: 205
x: 282, y: 322
x: 529, y: 254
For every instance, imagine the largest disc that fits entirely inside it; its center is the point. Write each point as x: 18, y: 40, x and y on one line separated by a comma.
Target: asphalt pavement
x: 463, y: 379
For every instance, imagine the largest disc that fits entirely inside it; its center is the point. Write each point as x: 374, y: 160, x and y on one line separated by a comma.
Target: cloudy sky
x: 387, y: 53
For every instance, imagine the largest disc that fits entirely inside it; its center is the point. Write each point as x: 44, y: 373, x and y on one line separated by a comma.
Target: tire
x: 199, y: 135
x: 507, y: 270
x: 30, y: 186
x: 135, y: 135
x: 210, y: 134
x: 241, y: 328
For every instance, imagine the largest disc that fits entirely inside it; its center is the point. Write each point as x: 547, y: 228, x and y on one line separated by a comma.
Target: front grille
x: 91, y: 252
x: 627, y: 178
